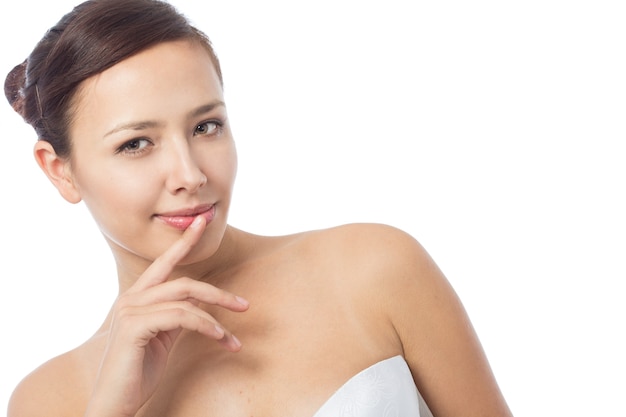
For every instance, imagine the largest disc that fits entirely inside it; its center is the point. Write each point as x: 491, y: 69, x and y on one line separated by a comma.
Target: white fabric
x: 385, y: 389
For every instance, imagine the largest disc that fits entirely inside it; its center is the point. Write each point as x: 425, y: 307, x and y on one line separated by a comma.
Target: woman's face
x: 152, y: 148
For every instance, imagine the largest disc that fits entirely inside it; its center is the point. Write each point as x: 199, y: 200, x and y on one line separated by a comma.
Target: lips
x: 182, y: 219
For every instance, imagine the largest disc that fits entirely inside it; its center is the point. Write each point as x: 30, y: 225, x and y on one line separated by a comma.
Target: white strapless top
x: 385, y: 389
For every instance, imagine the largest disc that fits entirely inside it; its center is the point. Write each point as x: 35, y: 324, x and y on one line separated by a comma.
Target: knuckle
x: 123, y: 301
x: 224, y: 296
x: 182, y: 288
x: 179, y: 312
x: 121, y: 310
x: 123, y: 321
x: 186, y: 305
x: 122, y: 314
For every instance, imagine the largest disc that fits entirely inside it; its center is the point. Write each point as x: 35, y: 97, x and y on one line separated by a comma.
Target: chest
x: 243, y: 386
x: 296, y: 352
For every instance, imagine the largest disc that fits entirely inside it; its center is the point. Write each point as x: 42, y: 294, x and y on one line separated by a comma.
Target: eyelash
x: 125, y: 148
x: 217, y: 130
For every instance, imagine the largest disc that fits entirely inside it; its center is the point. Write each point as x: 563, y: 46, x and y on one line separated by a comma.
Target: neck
x: 131, y: 266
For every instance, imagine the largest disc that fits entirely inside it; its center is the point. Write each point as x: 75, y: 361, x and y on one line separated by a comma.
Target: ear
x: 57, y: 170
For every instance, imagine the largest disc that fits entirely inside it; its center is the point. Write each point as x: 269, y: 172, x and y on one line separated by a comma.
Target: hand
x: 146, y: 320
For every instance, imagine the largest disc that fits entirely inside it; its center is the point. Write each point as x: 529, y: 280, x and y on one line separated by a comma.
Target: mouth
x: 182, y: 219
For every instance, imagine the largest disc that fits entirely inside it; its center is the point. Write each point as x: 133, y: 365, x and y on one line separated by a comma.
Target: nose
x: 182, y: 170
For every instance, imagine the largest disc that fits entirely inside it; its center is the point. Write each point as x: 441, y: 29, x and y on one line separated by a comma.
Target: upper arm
x: 437, y: 337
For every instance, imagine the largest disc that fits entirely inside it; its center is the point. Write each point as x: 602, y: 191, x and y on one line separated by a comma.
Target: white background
x: 492, y: 131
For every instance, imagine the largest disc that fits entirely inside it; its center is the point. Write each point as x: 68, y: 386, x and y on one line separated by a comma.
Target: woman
x: 126, y: 99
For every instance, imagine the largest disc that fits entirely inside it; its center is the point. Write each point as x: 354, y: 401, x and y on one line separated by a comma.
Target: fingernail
x: 219, y: 330
x: 242, y: 301
x: 237, y: 342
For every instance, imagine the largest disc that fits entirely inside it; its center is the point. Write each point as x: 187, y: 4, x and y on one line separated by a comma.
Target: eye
x: 208, y: 128
x: 134, y: 146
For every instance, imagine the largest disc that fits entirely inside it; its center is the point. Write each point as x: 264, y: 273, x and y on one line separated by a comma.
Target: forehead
x: 168, y: 77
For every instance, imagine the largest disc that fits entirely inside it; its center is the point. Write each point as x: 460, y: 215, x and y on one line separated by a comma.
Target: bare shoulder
x: 385, y: 264
x: 380, y: 266
x: 54, y: 388
x: 378, y: 252
x: 365, y: 236
x: 398, y: 279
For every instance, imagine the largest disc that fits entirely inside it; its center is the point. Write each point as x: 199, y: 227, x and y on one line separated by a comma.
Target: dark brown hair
x: 94, y: 36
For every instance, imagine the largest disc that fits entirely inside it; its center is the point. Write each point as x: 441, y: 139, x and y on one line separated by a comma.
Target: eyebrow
x: 147, y: 124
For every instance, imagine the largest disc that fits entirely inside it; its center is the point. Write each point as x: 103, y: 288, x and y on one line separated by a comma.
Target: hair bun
x: 13, y: 86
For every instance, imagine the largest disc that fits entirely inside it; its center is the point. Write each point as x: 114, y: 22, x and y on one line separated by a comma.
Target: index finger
x: 162, y: 266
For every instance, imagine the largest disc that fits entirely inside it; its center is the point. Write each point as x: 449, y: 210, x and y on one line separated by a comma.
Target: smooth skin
x: 214, y: 321
x: 149, y: 317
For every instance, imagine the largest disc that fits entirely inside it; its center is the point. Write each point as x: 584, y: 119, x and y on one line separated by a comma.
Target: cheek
x: 220, y: 167
x: 121, y: 207
x: 229, y: 169
x: 233, y: 161
x: 110, y: 190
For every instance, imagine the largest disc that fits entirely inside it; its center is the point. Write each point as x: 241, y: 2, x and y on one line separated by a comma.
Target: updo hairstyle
x: 94, y: 36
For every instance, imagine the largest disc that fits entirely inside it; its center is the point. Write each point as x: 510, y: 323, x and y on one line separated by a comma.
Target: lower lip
x: 183, y: 222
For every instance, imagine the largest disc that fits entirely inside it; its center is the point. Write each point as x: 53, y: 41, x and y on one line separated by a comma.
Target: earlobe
x: 57, y: 170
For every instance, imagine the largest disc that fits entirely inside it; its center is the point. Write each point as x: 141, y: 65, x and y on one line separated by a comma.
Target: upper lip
x: 187, y: 211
